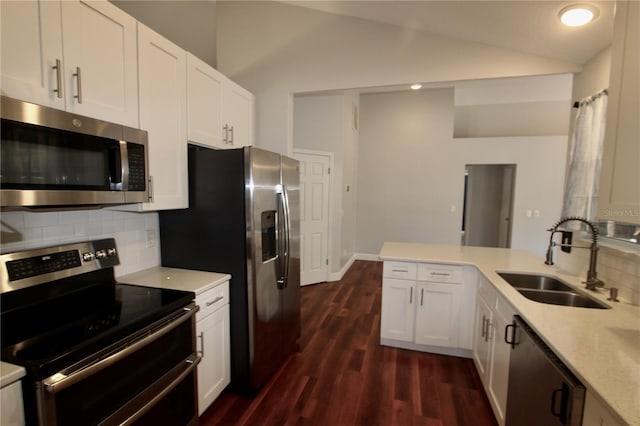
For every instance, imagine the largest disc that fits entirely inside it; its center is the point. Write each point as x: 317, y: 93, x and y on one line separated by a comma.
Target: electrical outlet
x: 151, y: 238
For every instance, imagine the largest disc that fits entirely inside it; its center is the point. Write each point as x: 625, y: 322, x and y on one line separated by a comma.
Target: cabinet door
x: 499, y: 371
x: 99, y: 41
x: 237, y: 116
x: 204, y: 97
x: 31, y: 45
x: 620, y: 176
x: 397, y: 316
x: 437, y: 314
x: 481, y: 338
x: 163, y: 113
x: 214, y: 370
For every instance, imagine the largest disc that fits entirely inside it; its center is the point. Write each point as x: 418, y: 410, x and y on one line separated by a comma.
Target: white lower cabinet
x: 12, y: 412
x: 397, y: 320
x: 437, y: 314
x: 212, y: 332
x: 596, y: 414
x: 427, y: 307
x: 491, y: 353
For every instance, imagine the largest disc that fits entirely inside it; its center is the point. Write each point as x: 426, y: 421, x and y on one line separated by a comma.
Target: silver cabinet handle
x: 487, y: 336
x: 440, y: 274
x: 400, y: 270
x: 421, y: 296
x: 225, y: 138
x: 78, y: 76
x: 217, y: 299
x: 58, y: 69
x: 484, y: 325
x: 411, y: 295
x: 201, y: 351
x: 231, y: 138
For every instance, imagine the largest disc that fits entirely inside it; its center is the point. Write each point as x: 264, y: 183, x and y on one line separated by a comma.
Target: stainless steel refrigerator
x: 244, y: 219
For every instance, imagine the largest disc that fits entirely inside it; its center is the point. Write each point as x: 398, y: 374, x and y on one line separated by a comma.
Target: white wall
x: 276, y: 50
x: 411, y: 172
x: 22, y: 230
x: 323, y: 122
x: 191, y: 24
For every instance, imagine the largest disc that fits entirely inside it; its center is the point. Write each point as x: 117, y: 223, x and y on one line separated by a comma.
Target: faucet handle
x: 613, y: 294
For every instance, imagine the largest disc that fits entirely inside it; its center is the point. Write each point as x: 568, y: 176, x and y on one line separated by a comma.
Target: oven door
x: 148, y: 381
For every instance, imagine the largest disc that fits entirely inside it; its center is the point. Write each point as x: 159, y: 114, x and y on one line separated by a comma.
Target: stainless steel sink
x: 563, y: 298
x: 550, y: 290
x: 531, y: 281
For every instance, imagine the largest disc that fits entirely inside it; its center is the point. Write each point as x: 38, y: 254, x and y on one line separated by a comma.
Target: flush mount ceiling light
x: 416, y: 86
x: 577, y: 15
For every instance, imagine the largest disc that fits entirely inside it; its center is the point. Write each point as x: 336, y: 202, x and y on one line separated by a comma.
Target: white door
x: 214, y: 371
x: 314, y: 216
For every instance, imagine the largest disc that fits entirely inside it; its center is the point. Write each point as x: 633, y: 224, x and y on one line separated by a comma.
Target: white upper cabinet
x: 220, y: 112
x: 31, y: 48
x: 73, y: 55
x: 204, y: 88
x: 620, y: 176
x: 237, y: 116
x: 163, y: 113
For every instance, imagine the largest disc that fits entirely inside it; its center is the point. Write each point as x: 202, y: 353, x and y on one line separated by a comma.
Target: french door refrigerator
x: 244, y: 219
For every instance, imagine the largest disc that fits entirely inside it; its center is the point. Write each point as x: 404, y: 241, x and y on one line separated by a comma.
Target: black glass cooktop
x: 48, y: 336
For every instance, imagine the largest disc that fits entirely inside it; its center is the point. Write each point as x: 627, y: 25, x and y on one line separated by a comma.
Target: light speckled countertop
x: 10, y: 373
x: 600, y: 346
x: 175, y: 279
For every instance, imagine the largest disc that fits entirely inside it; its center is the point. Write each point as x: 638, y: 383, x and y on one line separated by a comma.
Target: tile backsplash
x: 137, y: 235
x: 617, y: 266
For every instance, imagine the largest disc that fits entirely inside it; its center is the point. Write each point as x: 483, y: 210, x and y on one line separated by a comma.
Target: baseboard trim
x: 337, y: 276
x: 459, y: 352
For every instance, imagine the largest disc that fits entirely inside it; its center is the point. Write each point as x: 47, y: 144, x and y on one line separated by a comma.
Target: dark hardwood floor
x: 342, y: 376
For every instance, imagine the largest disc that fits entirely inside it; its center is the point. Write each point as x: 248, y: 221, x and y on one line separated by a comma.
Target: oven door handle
x: 160, y: 389
x: 61, y: 381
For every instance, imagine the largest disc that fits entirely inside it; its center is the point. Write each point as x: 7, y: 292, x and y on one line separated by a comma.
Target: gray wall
x: 276, y: 50
x: 190, y: 24
x: 411, y: 173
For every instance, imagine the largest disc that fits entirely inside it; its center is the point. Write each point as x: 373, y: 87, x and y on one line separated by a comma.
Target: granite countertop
x: 10, y: 373
x: 175, y: 279
x: 600, y: 346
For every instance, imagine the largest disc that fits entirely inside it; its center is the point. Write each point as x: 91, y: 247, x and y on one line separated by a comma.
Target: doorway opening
x: 488, y: 205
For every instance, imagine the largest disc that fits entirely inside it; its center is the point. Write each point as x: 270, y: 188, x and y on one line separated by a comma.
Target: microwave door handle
x: 115, y: 165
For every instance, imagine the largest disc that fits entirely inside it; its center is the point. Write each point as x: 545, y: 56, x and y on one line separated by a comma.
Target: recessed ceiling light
x: 577, y: 15
x: 416, y: 86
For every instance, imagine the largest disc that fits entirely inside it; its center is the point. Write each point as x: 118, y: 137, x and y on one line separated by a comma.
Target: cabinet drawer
x: 434, y: 272
x: 400, y: 270
x: 487, y: 292
x: 212, y: 299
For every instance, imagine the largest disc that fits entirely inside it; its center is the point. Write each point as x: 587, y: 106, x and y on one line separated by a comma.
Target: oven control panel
x: 27, y: 268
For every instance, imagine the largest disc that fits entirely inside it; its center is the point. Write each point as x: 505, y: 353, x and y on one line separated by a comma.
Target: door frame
x: 330, y: 155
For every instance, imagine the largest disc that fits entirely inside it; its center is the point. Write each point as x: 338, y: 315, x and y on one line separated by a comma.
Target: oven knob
x: 88, y: 257
x: 101, y: 254
x: 111, y: 252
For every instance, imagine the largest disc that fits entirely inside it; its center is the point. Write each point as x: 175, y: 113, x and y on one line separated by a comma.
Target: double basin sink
x: 544, y: 289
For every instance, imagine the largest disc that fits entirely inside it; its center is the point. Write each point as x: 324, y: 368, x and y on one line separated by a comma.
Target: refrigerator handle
x: 287, y: 233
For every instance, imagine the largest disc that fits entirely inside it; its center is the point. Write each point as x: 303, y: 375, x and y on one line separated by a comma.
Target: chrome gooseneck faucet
x: 592, y: 282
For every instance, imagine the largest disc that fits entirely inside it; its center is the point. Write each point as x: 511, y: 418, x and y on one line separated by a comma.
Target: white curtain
x: 585, y: 158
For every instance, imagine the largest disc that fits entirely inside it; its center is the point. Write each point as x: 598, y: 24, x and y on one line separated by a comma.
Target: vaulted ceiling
x: 522, y: 25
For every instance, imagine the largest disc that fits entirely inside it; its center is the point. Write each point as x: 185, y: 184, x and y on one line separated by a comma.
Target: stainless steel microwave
x: 52, y: 158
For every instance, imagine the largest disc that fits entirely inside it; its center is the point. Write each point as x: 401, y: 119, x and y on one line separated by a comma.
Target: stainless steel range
x: 96, y: 352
